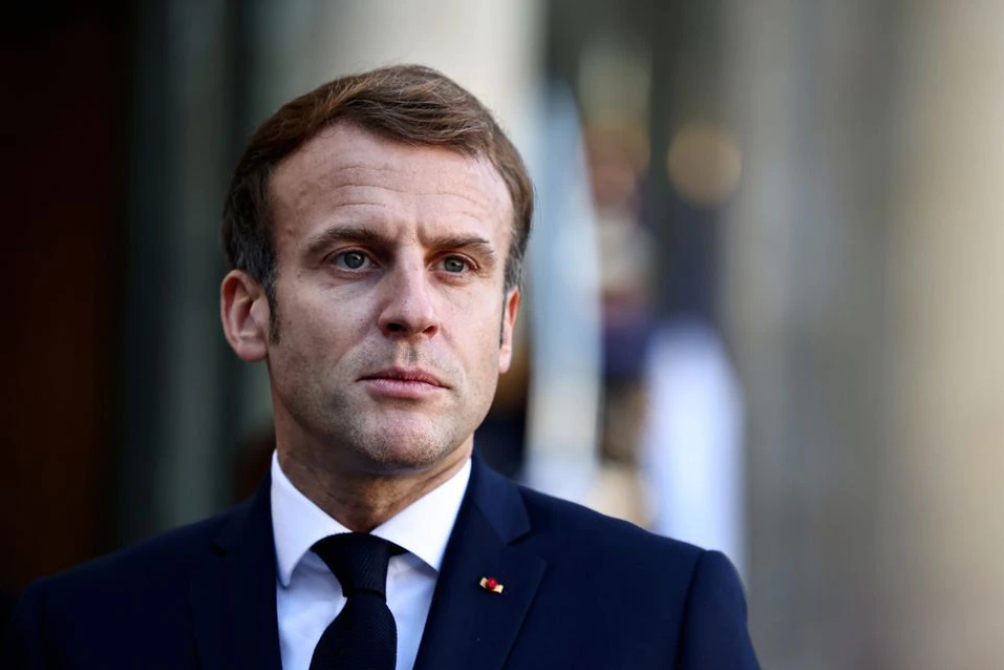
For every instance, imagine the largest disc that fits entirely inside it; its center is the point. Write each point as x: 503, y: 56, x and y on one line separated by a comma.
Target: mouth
x: 403, y: 383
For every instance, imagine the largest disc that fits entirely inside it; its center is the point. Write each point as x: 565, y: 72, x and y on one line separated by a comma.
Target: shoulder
x: 640, y: 585
x: 587, y: 545
x: 133, y: 592
x: 580, y: 527
x: 134, y: 599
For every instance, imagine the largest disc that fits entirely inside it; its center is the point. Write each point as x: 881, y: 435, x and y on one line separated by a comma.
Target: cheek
x: 487, y: 341
x: 315, y: 328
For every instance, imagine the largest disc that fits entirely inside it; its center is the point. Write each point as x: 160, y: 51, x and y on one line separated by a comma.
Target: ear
x: 510, y: 310
x: 245, y: 314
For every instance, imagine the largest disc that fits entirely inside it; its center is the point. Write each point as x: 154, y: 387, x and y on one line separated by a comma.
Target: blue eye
x: 351, y: 260
x: 455, y: 265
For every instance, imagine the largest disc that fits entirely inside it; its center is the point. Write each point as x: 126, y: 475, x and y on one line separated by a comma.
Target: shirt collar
x: 423, y: 528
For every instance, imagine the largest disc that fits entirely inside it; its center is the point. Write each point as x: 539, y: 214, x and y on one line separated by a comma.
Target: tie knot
x: 358, y: 560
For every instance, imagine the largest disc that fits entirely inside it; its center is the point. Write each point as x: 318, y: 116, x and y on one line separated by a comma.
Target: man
x: 376, y: 228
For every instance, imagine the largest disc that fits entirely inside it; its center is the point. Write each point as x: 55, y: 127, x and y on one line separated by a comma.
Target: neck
x: 361, y: 500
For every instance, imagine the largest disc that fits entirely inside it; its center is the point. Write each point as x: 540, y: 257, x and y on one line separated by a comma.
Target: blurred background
x: 765, y: 300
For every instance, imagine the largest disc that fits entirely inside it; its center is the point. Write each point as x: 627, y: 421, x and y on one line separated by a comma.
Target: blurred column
x: 692, y: 441
x: 564, y: 311
x: 804, y: 300
x: 942, y: 535
x: 174, y: 464
x: 865, y: 293
x: 193, y: 470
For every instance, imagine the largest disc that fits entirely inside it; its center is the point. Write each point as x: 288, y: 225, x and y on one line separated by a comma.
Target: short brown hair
x: 409, y: 103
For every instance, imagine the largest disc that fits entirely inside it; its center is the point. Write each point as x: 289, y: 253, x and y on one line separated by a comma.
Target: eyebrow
x: 473, y: 242
x: 328, y: 237
x: 373, y: 238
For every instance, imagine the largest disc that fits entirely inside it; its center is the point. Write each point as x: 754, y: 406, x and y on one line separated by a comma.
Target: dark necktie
x: 363, y: 635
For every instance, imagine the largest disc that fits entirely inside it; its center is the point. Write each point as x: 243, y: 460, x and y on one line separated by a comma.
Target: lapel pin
x: 490, y: 584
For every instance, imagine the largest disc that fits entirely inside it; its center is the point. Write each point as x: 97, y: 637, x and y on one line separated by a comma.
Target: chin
x: 405, y: 451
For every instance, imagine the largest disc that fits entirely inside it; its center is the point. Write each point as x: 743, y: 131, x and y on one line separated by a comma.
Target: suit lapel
x: 233, y: 594
x: 469, y: 626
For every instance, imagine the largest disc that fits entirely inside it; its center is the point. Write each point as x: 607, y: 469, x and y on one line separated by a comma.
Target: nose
x: 409, y: 308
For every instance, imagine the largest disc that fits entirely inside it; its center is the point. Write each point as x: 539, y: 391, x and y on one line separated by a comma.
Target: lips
x: 415, y: 376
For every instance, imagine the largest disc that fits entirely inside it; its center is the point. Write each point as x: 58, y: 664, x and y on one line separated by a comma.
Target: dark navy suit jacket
x: 581, y: 591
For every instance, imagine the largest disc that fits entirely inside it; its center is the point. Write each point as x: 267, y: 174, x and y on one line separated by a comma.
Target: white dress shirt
x: 308, y: 597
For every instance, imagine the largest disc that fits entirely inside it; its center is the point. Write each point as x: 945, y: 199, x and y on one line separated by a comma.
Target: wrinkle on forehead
x: 331, y: 161
x: 315, y: 191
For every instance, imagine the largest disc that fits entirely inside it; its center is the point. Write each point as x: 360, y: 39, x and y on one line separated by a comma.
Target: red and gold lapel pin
x: 490, y: 584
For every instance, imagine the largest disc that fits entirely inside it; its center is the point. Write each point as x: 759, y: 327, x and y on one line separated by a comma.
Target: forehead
x: 348, y: 171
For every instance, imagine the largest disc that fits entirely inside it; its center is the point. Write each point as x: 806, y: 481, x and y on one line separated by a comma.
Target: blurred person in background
x: 376, y: 228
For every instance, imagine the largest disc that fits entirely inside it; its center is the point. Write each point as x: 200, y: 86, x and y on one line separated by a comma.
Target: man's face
x: 390, y: 299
